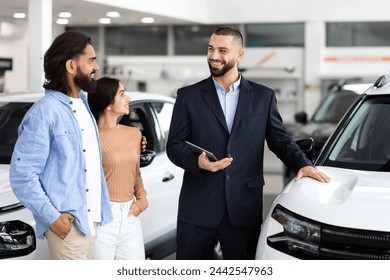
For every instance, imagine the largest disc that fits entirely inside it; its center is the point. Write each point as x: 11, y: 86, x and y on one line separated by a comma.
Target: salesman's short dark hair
x: 230, y: 31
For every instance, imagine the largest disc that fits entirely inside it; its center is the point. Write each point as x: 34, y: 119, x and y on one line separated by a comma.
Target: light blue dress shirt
x: 47, y: 171
x: 228, y: 100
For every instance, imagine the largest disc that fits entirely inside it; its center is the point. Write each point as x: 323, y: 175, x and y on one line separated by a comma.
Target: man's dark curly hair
x: 66, y: 46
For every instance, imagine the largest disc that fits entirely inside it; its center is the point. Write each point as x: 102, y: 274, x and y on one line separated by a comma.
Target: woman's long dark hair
x: 66, y: 46
x: 103, y: 96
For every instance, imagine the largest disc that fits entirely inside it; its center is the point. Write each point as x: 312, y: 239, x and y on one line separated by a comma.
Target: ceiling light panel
x: 113, y: 14
x: 65, y: 15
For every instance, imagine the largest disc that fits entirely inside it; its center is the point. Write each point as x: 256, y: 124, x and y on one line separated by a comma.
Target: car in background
x: 346, y: 218
x: 332, y: 107
x: 151, y: 113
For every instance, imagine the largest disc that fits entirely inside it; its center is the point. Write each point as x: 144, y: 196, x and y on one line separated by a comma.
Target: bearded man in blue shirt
x: 56, y: 169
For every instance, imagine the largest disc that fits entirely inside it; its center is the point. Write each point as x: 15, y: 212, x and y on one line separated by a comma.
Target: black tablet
x: 199, y: 150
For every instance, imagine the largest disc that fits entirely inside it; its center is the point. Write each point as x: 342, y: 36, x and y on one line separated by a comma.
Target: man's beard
x: 220, y: 72
x: 84, y: 81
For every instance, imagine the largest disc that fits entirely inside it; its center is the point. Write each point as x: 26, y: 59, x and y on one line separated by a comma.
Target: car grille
x: 345, y: 243
x: 308, y: 239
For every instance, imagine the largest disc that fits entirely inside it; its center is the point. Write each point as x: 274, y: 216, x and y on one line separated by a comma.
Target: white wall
x: 16, y: 49
x: 298, y: 10
x: 220, y: 11
x: 368, y: 62
x: 188, y: 10
x: 162, y: 74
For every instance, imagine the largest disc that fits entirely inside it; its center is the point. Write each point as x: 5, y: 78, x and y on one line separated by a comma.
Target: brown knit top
x: 121, y: 148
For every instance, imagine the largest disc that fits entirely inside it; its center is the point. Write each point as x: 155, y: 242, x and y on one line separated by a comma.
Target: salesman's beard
x: 215, y: 72
x: 85, y: 82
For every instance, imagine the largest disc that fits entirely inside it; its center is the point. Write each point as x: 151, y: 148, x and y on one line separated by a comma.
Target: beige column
x: 315, y: 36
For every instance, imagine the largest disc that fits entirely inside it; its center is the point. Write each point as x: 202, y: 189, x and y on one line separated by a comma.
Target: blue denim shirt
x: 47, y: 171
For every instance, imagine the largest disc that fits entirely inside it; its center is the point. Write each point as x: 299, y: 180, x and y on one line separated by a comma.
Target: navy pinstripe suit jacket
x: 198, y: 118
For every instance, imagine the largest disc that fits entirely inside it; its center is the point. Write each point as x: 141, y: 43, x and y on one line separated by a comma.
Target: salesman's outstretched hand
x: 310, y: 171
x: 213, y: 166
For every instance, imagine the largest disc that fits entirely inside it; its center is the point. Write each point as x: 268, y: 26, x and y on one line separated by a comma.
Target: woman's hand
x: 134, y: 211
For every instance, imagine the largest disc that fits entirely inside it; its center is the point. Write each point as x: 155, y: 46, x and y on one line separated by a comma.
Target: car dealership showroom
x: 328, y: 63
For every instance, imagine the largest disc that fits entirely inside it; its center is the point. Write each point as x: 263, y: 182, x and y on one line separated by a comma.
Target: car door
x: 162, y: 179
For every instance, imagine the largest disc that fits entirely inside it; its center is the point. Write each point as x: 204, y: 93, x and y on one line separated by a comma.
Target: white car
x: 162, y: 179
x: 347, y: 218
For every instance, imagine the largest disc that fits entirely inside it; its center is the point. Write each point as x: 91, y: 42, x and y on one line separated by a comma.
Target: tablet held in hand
x: 198, y: 150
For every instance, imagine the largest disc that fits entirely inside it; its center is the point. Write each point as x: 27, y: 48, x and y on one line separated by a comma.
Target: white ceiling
x: 87, y: 12
x: 83, y: 12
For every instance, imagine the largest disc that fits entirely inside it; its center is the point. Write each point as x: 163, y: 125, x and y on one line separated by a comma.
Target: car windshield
x: 11, y: 115
x: 334, y: 106
x: 364, y: 143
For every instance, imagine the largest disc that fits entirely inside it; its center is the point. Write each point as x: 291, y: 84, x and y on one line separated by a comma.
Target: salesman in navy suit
x: 231, y: 117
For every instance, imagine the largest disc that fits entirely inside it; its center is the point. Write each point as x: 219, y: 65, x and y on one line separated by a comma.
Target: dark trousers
x: 198, y: 243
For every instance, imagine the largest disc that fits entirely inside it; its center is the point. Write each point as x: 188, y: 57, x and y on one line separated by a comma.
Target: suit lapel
x: 244, y: 100
x: 211, y: 97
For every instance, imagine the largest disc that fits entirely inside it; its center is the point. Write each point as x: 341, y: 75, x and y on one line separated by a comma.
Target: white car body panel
x: 346, y: 201
x: 7, y: 197
x: 163, y: 197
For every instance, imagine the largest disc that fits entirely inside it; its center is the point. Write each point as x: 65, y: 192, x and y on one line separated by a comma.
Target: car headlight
x: 300, y: 237
x: 16, y: 239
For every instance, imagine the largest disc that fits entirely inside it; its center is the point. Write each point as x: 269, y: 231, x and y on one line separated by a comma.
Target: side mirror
x: 301, y: 117
x: 307, y: 146
x: 147, y: 157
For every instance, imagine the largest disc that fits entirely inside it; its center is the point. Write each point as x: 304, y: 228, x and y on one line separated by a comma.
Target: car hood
x: 315, y: 130
x: 352, y: 199
x: 7, y: 197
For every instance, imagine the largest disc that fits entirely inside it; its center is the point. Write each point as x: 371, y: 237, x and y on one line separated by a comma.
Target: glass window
x: 90, y: 31
x: 11, y: 115
x: 193, y: 39
x: 164, y: 113
x: 357, y: 34
x: 136, y: 40
x: 334, y: 106
x: 364, y: 144
x: 275, y: 35
x: 141, y: 117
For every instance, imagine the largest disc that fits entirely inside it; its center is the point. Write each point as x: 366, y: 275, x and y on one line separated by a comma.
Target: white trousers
x: 120, y: 239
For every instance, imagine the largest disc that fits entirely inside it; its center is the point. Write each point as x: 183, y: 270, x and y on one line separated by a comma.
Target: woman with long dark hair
x: 121, y: 147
